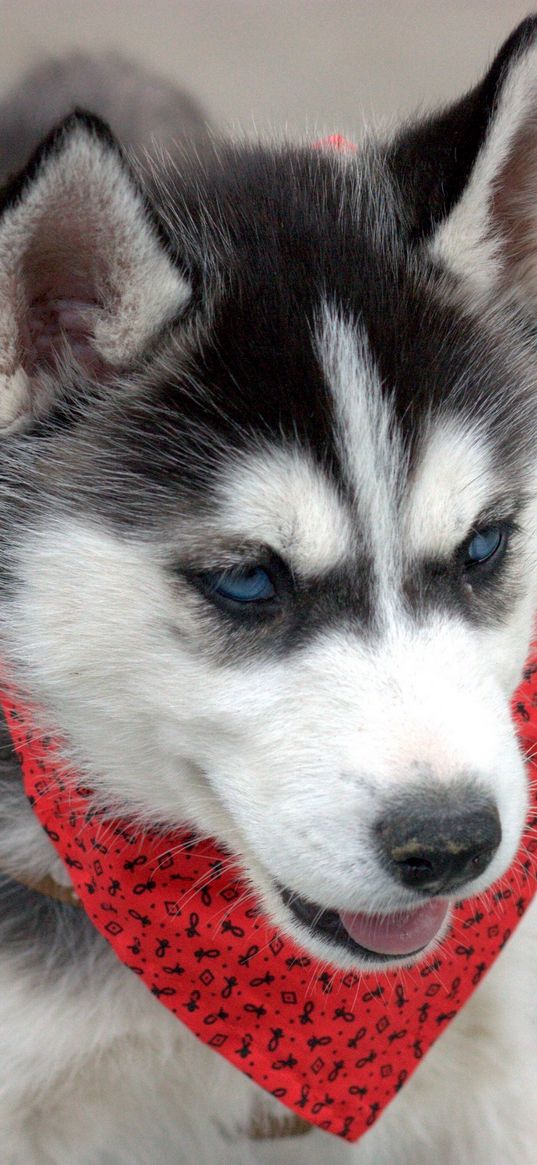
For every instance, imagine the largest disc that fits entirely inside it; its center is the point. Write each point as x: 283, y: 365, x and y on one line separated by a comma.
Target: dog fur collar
x: 334, y: 1047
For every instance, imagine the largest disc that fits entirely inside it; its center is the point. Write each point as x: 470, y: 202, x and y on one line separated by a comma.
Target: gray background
x: 302, y: 64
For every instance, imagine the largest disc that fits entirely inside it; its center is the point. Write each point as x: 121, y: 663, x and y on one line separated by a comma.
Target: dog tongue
x: 396, y: 934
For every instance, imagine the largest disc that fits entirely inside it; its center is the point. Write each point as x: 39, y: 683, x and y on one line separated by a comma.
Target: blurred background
x: 319, y: 65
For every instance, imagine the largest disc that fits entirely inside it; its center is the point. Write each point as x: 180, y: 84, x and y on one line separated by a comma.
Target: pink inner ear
x: 513, y: 213
x: 58, y: 325
x: 64, y: 274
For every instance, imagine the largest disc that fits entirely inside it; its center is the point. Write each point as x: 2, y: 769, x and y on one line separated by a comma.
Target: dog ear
x: 490, y: 237
x: 468, y: 176
x: 84, y: 271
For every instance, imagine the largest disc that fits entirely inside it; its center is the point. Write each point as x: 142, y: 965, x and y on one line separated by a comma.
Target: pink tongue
x: 396, y: 934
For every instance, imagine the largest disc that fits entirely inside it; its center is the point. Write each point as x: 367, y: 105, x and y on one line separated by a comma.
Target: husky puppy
x: 268, y: 532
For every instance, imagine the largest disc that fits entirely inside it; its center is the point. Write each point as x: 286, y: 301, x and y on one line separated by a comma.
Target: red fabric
x: 333, y: 1046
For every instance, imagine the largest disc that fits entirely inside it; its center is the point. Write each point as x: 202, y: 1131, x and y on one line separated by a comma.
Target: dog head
x: 269, y: 525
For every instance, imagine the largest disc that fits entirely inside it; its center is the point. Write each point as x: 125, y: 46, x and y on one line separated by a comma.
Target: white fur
x: 369, y: 445
x: 265, y: 495
x: 452, y: 485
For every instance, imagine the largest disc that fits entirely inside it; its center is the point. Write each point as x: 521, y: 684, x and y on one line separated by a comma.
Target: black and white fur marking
x: 323, y: 365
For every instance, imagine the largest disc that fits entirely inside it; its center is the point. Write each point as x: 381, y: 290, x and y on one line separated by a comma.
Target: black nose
x: 439, y: 840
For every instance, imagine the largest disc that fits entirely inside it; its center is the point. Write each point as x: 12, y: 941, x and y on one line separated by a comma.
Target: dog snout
x: 439, y: 840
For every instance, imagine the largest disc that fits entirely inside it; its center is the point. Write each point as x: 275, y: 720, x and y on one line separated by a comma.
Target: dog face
x: 269, y: 520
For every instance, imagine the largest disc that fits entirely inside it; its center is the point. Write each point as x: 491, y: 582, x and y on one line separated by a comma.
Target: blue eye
x: 484, y: 545
x: 243, y: 585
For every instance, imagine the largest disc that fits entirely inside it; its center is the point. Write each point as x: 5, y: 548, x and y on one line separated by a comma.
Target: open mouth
x: 378, y: 937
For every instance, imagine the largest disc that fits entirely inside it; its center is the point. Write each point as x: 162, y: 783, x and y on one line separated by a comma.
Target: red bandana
x: 333, y: 1046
